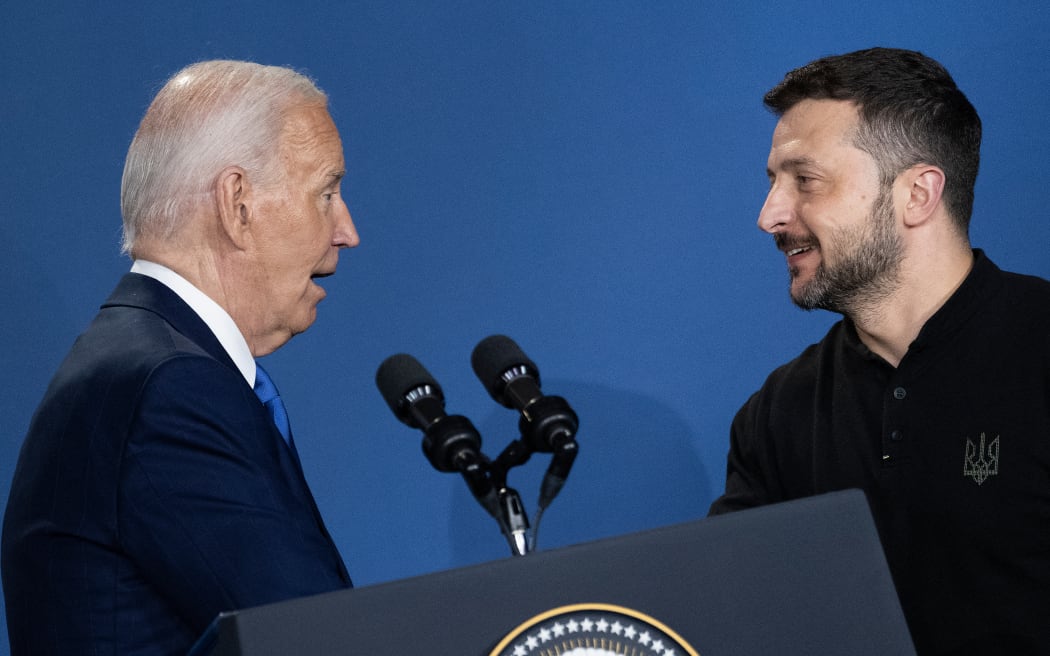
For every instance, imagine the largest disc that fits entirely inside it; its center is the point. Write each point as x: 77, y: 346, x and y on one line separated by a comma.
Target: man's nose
x: 777, y: 212
x: 345, y: 231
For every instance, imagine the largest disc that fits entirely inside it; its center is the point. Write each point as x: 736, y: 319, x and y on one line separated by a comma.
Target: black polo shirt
x: 952, y: 448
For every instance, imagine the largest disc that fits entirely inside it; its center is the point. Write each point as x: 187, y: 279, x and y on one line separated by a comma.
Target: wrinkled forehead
x: 309, y: 140
x: 817, y: 122
x: 819, y: 138
x: 309, y: 125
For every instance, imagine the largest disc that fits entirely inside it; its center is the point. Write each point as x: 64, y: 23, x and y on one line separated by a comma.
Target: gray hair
x: 208, y: 116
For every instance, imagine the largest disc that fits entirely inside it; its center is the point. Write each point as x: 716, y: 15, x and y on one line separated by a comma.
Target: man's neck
x: 217, y: 319
x: 890, y: 327
x: 208, y: 270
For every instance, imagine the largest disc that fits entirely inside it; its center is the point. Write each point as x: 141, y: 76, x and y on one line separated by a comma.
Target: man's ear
x: 233, y: 195
x: 924, y: 185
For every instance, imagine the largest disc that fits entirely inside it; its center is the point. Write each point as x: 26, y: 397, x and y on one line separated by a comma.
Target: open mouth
x: 792, y: 245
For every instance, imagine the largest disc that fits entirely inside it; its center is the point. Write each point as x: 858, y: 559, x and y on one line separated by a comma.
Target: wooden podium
x: 803, y: 577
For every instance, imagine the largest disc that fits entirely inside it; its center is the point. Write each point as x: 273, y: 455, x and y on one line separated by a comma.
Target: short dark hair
x: 911, y: 112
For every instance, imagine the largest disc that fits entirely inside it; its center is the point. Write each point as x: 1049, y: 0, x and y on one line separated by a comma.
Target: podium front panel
x: 802, y: 577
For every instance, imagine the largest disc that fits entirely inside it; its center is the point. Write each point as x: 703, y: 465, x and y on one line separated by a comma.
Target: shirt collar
x: 981, y: 282
x: 216, y: 318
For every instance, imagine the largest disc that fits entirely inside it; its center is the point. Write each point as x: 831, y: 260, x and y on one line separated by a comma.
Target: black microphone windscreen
x: 493, y: 356
x: 400, y: 374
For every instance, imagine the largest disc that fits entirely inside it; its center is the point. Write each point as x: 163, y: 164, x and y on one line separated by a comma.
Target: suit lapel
x: 139, y: 291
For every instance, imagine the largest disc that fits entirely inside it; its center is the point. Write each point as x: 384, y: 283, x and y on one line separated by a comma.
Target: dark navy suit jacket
x: 152, y: 492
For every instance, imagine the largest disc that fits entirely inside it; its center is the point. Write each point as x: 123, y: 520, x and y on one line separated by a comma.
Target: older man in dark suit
x: 158, y: 484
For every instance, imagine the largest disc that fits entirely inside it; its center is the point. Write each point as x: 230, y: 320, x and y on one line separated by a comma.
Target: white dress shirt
x: 217, y: 319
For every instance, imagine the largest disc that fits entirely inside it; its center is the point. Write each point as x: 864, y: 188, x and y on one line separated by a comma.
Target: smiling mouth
x: 792, y: 245
x: 796, y: 251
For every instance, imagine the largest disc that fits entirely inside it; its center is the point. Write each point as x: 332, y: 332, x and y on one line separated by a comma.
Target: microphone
x: 548, y: 424
x: 450, y: 442
x: 513, y: 381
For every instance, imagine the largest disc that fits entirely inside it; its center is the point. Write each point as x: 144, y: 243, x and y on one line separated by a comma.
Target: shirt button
x: 896, y: 436
x: 899, y: 393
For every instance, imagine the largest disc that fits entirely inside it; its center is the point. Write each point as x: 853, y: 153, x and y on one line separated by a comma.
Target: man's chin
x: 301, y: 327
x: 802, y: 295
x: 306, y: 318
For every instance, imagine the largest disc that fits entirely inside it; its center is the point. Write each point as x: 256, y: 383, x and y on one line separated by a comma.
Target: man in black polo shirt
x: 933, y: 392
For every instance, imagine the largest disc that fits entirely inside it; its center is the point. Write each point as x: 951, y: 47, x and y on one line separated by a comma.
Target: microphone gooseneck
x: 547, y: 424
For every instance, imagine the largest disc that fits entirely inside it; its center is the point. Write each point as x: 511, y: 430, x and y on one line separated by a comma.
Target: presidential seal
x: 593, y: 630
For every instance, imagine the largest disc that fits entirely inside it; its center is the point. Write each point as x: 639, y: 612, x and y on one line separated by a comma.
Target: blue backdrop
x: 582, y: 176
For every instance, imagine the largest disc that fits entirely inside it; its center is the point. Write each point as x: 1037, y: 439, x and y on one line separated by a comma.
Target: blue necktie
x: 267, y: 393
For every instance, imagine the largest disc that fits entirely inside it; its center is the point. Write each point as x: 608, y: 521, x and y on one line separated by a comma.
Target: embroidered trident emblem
x: 979, y: 463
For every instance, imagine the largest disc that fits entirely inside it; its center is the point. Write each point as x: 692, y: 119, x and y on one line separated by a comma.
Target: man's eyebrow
x: 792, y: 164
x: 798, y: 162
x: 334, y: 177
